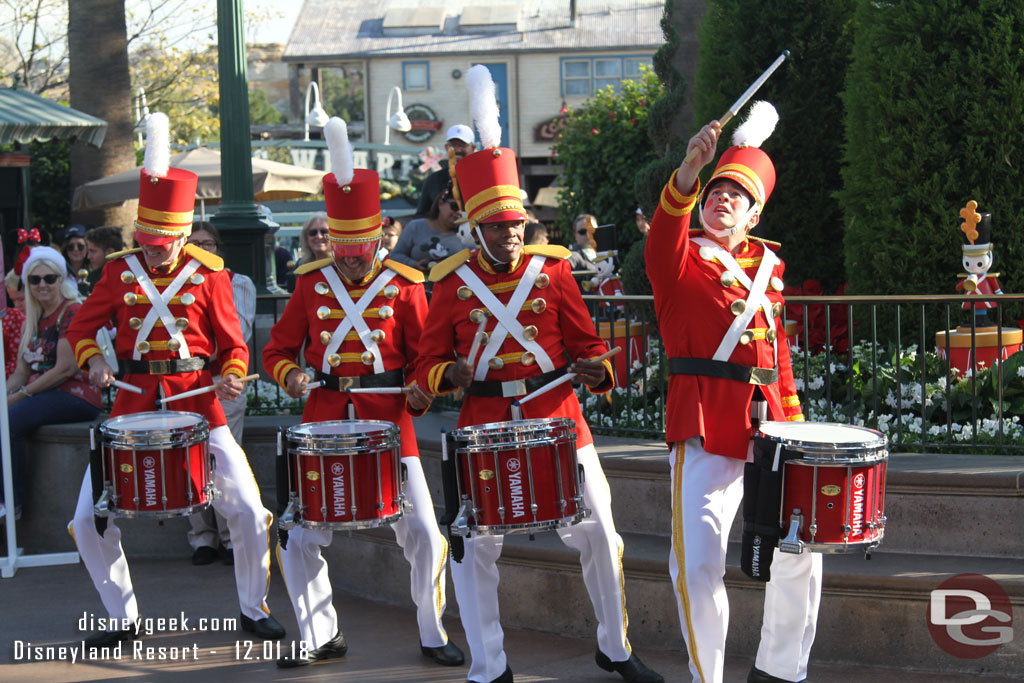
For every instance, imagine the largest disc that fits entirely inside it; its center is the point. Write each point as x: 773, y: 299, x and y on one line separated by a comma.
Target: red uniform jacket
x: 300, y: 324
x: 989, y: 285
x: 693, y: 307
x: 564, y: 330
x: 203, y: 307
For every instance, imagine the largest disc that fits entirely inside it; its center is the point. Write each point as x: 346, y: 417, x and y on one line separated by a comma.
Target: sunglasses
x: 75, y: 247
x: 582, y: 231
x: 208, y: 245
x: 318, y: 233
x: 50, y: 279
x: 454, y: 206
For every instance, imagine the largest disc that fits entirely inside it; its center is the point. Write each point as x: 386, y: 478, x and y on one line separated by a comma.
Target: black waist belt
x: 391, y: 378
x: 164, y: 367
x: 723, y: 370
x: 515, y: 387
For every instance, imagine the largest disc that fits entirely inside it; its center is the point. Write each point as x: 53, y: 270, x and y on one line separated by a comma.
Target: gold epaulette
x: 768, y: 243
x: 408, y: 272
x: 444, y: 268
x: 211, y: 261
x: 550, y: 250
x: 313, y: 265
x: 123, y: 252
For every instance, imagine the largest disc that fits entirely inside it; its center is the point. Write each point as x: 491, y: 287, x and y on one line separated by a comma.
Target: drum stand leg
x: 792, y: 543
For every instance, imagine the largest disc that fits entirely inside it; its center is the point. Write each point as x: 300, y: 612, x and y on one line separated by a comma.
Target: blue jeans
x: 27, y: 415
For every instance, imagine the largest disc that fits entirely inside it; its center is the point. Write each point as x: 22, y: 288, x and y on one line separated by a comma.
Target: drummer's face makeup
x: 504, y: 239
x: 162, y: 255
x: 355, y: 266
x: 725, y: 205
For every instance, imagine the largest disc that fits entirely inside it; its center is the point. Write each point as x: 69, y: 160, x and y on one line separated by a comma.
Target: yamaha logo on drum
x: 857, y: 516
x: 338, y: 483
x: 149, y: 480
x: 515, y: 487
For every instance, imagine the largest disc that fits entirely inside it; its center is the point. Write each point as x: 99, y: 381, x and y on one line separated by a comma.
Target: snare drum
x: 518, y: 477
x: 345, y: 474
x: 157, y: 464
x: 833, y: 485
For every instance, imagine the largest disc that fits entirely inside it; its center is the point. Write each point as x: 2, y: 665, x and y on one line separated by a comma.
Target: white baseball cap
x: 461, y: 131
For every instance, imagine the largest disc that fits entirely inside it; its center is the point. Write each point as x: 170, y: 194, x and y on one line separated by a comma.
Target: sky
x: 278, y: 29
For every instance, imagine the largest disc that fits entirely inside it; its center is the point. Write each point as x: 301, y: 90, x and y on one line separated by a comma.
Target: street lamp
x: 399, y: 121
x: 315, y: 116
x: 141, y: 113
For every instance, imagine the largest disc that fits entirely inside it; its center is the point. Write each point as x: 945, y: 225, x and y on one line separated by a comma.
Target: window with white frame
x: 586, y: 75
x: 415, y: 76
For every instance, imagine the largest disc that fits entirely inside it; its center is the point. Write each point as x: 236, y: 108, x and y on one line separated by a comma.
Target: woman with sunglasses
x: 75, y: 252
x: 47, y: 386
x: 313, y: 244
x: 425, y: 241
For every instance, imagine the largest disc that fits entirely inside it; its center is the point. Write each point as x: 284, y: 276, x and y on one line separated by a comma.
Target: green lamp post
x: 247, y: 235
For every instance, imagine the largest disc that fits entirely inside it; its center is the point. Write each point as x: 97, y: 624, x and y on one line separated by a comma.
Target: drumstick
x: 563, y: 379
x: 378, y: 390
x: 129, y: 387
x: 477, y: 338
x: 314, y: 385
x: 743, y: 99
x: 197, y: 392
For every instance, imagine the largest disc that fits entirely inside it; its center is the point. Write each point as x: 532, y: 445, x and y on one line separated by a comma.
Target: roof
x: 25, y: 117
x: 329, y: 29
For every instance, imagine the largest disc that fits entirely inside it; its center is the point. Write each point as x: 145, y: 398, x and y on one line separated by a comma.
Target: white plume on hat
x: 483, y: 105
x: 758, y: 125
x: 340, y: 149
x: 157, y: 158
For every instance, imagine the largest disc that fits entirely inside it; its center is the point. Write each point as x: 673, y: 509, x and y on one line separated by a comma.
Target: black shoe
x: 446, y: 655
x: 332, y: 649
x: 758, y: 676
x: 267, y: 628
x: 204, y: 554
x: 632, y: 670
x: 503, y: 678
x: 109, y: 638
x: 228, y: 556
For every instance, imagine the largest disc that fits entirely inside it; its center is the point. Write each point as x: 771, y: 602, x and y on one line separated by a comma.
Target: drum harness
x: 507, y: 318
x: 718, y: 365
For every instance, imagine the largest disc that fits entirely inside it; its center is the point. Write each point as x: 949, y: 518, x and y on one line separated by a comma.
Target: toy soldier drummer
x: 537, y: 319
x: 360, y: 321
x: 976, y: 229
x: 172, y: 303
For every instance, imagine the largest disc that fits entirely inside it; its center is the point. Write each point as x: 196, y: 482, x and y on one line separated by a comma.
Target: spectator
x: 47, y: 386
x: 205, y: 524
x: 460, y: 142
x: 13, y: 321
x: 642, y: 224
x: 425, y: 241
x: 536, y: 233
x: 583, y: 254
x: 99, y: 243
x: 313, y: 243
x: 392, y: 229
x: 74, y: 251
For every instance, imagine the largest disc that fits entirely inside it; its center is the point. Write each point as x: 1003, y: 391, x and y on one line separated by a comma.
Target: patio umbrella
x: 271, y: 180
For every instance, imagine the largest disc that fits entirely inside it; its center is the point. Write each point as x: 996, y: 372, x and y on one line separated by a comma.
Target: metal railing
x: 867, y: 360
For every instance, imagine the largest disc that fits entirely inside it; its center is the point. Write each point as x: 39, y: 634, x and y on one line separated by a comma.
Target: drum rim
x: 880, y: 442
x: 495, y: 436
x: 155, y: 439
x: 351, y: 443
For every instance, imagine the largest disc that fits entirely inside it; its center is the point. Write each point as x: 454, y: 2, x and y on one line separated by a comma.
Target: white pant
x: 600, y: 547
x: 706, y: 492
x: 239, y: 503
x: 426, y: 550
x: 209, y: 528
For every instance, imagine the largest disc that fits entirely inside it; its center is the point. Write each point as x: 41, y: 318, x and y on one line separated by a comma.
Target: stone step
x: 871, y: 611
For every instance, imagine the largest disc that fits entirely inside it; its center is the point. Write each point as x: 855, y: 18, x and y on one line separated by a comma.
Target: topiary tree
x: 602, y: 145
x: 738, y: 40
x: 934, y: 99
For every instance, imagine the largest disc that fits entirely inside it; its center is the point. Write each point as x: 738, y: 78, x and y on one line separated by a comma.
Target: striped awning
x: 25, y: 117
